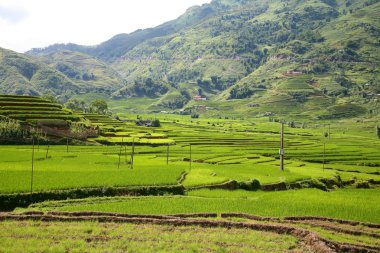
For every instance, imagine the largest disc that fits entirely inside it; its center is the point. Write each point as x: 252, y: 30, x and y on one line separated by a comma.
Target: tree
x: 185, y: 94
x: 156, y: 123
x: 83, y: 105
x: 49, y: 97
x: 10, y: 128
x: 99, y: 105
x: 194, y: 115
x: 73, y: 104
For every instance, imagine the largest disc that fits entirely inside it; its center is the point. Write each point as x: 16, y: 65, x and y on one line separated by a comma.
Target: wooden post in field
x: 324, y: 152
x: 133, y: 153
x: 167, y: 154
x: 32, y: 175
x: 329, y: 132
x: 121, y: 145
x: 190, y: 156
x: 47, y: 151
x: 282, y: 148
x: 125, y: 153
x: 67, y: 144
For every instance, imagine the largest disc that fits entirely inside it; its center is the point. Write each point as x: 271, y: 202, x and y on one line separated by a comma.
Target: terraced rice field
x: 205, y: 156
x: 229, y: 150
x: 33, y: 109
x: 206, y: 231
x: 127, y: 237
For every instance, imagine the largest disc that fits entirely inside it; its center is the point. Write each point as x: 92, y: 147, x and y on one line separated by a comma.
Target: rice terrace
x: 240, y: 126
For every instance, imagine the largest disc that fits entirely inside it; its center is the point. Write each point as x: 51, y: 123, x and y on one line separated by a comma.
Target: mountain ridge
x: 313, y: 54
x: 62, y: 74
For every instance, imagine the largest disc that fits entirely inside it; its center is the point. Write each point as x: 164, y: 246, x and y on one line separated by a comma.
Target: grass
x: 35, y: 236
x: 344, y: 238
x: 353, y: 204
x: 222, y: 149
x: 28, y: 108
x: 80, y: 167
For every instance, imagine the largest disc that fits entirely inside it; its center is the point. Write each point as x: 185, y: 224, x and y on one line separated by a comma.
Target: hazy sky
x: 25, y: 24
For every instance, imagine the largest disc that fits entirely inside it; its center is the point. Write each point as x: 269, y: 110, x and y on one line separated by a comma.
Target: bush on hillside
x: 99, y: 105
x: 10, y: 128
x: 156, y: 123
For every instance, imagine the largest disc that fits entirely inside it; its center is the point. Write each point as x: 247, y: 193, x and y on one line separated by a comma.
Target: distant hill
x: 24, y: 75
x: 120, y: 44
x: 269, y: 57
x: 62, y: 74
x: 90, y: 74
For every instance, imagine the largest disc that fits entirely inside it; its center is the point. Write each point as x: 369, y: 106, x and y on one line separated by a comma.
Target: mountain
x: 311, y: 54
x: 90, y: 74
x: 117, y: 46
x: 268, y: 57
x: 62, y: 74
x: 24, y: 75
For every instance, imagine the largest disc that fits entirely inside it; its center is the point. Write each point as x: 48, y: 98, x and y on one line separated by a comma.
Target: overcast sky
x: 26, y: 24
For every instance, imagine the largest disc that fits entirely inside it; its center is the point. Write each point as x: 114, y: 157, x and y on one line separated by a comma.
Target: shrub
x: 100, y: 106
x: 195, y: 116
x: 156, y: 123
x: 252, y: 185
x: 10, y: 128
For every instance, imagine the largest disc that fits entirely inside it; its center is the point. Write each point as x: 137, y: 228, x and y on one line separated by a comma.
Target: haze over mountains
x: 311, y: 54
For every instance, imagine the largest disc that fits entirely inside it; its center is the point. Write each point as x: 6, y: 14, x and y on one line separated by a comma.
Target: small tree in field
x: 100, y: 106
x: 10, y: 128
x: 156, y: 123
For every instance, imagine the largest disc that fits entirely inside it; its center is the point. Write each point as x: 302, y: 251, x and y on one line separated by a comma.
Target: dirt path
x: 280, y: 226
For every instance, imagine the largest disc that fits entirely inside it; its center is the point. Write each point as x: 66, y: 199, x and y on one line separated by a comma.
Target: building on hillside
x: 147, y: 123
x: 292, y: 73
x: 199, y: 98
x: 200, y: 108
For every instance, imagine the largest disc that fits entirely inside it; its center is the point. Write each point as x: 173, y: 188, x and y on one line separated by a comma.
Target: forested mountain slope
x: 312, y: 54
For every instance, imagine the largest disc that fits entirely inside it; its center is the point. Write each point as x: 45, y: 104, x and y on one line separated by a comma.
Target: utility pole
x: 190, y: 156
x: 31, y: 177
x: 121, y: 145
x: 324, y: 152
x: 167, y: 154
x: 282, y: 148
x: 329, y: 132
x: 125, y: 153
x: 133, y: 153
x: 47, y: 151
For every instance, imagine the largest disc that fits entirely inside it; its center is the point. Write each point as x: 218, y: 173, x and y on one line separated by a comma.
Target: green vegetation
x: 352, y: 204
x: 222, y: 150
x: 195, y: 104
x: 316, y: 60
x: 81, y: 167
x: 61, y: 74
x: 111, y: 237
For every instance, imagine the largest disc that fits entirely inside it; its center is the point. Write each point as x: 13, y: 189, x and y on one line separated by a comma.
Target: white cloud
x: 39, y: 23
x: 12, y: 14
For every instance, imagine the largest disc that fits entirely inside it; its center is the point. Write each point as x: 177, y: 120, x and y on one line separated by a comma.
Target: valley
x: 167, y: 139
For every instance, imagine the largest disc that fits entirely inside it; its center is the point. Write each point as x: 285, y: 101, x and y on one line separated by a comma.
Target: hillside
x: 23, y: 75
x: 62, y: 74
x: 118, y: 45
x: 89, y: 74
x: 266, y: 57
x: 266, y: 53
